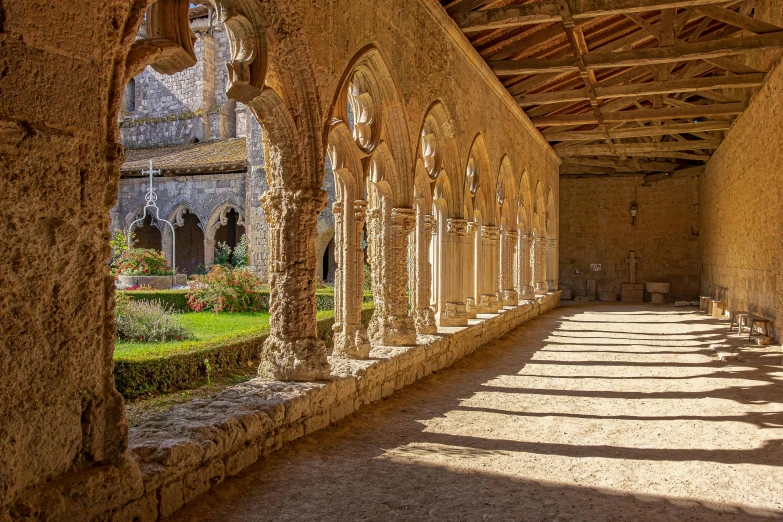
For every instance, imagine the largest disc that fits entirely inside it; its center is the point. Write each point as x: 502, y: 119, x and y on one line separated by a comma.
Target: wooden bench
x: 755, y: 320
x: 714, y: 304
x: 739, y: 316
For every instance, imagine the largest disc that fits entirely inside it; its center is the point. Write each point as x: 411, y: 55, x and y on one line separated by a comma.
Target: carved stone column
x: 293, y: 352
x: 526, y: 291
x: 390, y: 325
x: 350, y: 336
x: 423, y: 315
x: 487, y: 274
x: 451, y: 307
x: 552, y: 261
x: 508, y: 248
x: 469, y: 272
x: 539, y: 266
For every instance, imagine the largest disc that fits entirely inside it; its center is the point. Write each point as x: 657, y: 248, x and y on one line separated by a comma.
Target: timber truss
x: 623, y: 86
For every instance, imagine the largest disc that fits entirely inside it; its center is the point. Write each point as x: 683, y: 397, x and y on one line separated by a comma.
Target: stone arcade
x: 436, y: 122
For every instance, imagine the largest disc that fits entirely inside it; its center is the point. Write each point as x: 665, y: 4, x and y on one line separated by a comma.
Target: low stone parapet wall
x: 191, y: 448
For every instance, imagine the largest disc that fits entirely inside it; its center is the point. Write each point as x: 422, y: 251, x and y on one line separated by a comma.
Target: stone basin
x: 658, y: 288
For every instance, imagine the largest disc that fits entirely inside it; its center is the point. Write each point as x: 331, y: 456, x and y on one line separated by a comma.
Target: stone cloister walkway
x: 590, y: 412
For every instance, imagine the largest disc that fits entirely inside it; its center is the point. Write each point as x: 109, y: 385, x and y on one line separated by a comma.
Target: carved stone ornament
x: 490, y: 233
x: 501, y: 194
x: 472, y: 174
x: 247, y: 52
x: 429, y: 151
x: 365, y: 112
x: 471, y: 228
x: 168, y: 46
x: 456, y: 226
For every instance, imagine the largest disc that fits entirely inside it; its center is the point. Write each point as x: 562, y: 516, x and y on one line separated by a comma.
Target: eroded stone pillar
x: 423, y: 315
x: 350, y: 336
x: 526, y: 291
x: 539, y: 265
x: 451, y: 307
x: 293, y: 351
x: 390, y: 325
x: 487, y: 273
x: 469, y: 272
x: 508, y: 248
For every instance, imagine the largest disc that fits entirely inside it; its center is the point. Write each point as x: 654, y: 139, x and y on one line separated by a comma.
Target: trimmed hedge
x: 187, y: 370
x: 178, y: 299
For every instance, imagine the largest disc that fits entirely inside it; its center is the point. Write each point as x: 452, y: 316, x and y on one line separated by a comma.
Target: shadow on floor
x: 368, y: 466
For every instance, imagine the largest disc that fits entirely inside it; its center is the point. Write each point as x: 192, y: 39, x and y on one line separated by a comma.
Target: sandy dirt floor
x: 590, y: 412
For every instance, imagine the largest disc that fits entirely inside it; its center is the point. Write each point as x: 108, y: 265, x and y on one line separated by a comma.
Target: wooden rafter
x: 528, y: 14
x: 618, y: 85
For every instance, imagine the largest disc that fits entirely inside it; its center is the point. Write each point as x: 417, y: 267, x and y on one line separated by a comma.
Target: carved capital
x: 280, y: 204
x: 456, y: 226
x: 511, y: 235
x: 490, y: 233
x: 471, y: 228
x: 429, y: 223
x: 403, y: 220
x: 360, y: 212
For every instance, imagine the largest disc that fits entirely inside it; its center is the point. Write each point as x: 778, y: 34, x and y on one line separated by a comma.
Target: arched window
x: 129, y: 96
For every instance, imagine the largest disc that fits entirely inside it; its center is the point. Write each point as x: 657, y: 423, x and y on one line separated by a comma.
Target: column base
x: 350, y: 342
x: 527, y: 293
x: 541, y: 289
x: 510, y: 297
x: 488, y: 304
x: 392, y: 330
x: 424, y: 321
x: 470, y: 307
x: 453, y: 315
x: 552, y: 285
x: 294, y: 360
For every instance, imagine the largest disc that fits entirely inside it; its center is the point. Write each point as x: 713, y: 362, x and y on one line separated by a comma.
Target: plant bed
x: 225, y: 342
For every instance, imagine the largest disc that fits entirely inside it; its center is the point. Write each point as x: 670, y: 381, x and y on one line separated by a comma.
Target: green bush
x: 227, y: 290
x: 173, y: 299
x: 135, y: 378
x: 147, y: 321
x: 143, y: 262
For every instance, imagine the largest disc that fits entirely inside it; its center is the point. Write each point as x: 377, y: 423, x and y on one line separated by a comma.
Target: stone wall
x: 740, y: 208
x: 595, y: 228
x: 178, y: 108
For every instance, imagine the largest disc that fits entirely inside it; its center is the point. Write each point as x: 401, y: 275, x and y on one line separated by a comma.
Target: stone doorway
x: 189, y: 244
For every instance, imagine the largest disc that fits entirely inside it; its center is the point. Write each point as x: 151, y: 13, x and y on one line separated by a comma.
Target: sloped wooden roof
x: 623, y: 85
x: 199, y: 158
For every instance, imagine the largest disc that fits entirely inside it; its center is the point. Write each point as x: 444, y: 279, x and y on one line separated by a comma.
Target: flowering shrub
x: 143, y: 262
x: 119, y: 245
x: 236, y: 257
x: 227, y: 290
x: 147, y: 321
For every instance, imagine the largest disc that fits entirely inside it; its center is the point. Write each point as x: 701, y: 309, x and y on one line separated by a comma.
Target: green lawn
x: 208, y: 329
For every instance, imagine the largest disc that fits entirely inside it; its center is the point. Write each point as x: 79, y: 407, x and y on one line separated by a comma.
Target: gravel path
x: 590, y: 412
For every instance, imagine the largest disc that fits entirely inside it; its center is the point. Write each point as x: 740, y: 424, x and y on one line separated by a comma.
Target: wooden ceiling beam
x: 695, y: 111
x: 528, y: 14
x: 645, y: 89
x: 657, y: 130
x: 639, y: 148
x: 651, y: 56
x: 754, y: 25
x: 628, y: 165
